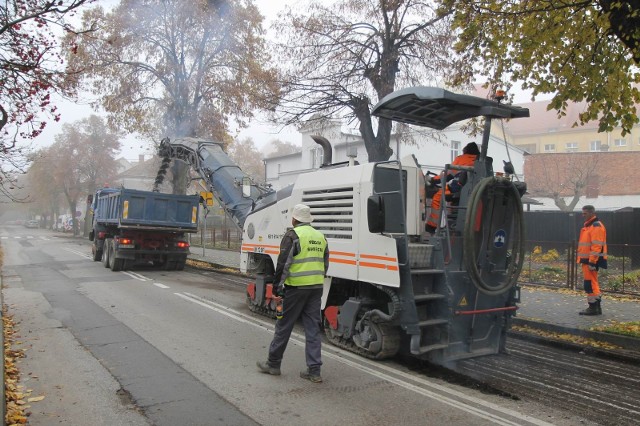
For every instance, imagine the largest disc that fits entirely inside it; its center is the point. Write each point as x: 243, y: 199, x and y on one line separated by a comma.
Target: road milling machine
x: 391, y: 287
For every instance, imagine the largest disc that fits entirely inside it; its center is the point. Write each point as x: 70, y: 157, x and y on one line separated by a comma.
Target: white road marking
x: 136, y: 276
x: 161, y: 285
x: 79, y: 253
x: 359, y: 363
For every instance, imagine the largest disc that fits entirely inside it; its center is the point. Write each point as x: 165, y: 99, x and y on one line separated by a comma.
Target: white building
x: 432, y: 150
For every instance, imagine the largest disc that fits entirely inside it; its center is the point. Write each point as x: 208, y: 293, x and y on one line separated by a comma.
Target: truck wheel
x: 106, y: 247
x: 170, y: 266
x: 180, y: 264
x: 97, y: 254
x: 114, y: 264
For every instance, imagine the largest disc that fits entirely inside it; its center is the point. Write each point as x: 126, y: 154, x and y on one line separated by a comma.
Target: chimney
x: 141, y: 158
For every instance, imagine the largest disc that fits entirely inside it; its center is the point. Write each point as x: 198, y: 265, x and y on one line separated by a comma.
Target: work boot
x: 598, y: 307
x: 591, y: 310
x: 313, y: 378
x: 267, y: 369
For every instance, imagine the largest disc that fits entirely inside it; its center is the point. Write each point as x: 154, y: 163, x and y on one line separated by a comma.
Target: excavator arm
x: 223, y: 177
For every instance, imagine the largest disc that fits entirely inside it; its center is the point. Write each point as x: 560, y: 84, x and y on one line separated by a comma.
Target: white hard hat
x: 302, y: 213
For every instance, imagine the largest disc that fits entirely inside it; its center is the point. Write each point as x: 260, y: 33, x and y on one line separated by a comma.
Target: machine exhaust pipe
x: 326, y: 147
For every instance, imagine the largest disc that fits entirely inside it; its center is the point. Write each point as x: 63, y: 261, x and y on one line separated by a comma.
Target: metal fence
x: 218, y: 237
x: 553, y: 264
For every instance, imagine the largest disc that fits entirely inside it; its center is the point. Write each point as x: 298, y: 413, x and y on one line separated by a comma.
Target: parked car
x: 32, y: 224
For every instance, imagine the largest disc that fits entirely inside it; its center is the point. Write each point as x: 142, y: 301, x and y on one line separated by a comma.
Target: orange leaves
x: 14, y: 395
x: 572, y: 338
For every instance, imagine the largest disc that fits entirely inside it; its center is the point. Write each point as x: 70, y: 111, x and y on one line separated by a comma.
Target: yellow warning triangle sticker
x: 463, y: 301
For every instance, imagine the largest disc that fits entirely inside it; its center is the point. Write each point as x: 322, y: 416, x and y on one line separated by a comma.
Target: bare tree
x: 277, y: 147
x: 176, y: 68
x: 244, y: 153
x: 562, y: 176
x: 83, y: 153
x: 340, y: 59
x: 46, y: 197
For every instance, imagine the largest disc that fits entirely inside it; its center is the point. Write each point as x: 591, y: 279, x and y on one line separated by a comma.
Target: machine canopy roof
x: 438, y: 108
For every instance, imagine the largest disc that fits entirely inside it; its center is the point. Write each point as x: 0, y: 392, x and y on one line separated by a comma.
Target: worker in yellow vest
x: 302, y: 264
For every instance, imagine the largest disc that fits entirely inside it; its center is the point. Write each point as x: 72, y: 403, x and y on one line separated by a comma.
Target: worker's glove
x: 592, y: 268
x: 278, y: 290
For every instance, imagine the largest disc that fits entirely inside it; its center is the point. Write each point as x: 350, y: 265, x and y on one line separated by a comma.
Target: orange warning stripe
x: 379, y: 266
x: 334, y: 257
x: 376, y: 257
x: 259, y: 245
x: 260, y: 248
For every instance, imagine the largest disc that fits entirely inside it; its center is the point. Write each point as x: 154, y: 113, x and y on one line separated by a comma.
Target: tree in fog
x: 340, y: 59
x: 529, y: 41
x: 276, y: 148
x: 81, y: 160
x: 563, y: 176
x: 44, y: 196
x: 177, y: 68
x: 244, y: 153
x: 30, y: 73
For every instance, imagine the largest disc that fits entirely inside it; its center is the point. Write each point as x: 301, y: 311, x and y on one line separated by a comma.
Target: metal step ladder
x: 431, y: 297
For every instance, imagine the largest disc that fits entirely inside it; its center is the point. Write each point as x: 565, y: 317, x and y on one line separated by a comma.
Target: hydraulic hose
x: 471, y: 237
x: 395, y: 312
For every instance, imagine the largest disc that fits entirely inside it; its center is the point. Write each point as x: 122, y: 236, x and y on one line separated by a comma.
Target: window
x: 317, y: 156
x: 550, y: 147
x: 619, y: 142
x: 595, y: 146
x: 572, y: 146
x: 455, y: 149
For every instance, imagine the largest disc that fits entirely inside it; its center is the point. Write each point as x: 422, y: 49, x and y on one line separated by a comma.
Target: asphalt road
x: 167, y: 348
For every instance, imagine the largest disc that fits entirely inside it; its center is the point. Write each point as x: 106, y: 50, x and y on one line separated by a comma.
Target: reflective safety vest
x: 307, y: 267
x: 592, y: 245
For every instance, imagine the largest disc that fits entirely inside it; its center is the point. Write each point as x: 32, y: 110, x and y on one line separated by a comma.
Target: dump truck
x: 133, y: 226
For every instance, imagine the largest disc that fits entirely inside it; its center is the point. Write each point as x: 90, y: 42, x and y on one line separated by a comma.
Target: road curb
x: 631, y: 346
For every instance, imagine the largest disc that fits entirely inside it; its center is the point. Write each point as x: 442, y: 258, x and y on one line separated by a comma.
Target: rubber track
x: 390, y: 343
x: 262, y: 310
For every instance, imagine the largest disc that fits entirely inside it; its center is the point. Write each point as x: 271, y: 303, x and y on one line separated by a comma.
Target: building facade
x: 431, y: 149
x: 545, y: 132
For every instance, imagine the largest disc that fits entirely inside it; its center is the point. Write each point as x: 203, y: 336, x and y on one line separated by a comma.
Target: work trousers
x: 591, y: 286
x: 302, y: 303
x: 436, y: 201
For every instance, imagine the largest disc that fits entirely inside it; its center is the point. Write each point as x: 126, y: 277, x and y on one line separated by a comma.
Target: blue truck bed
x: 130, y: 208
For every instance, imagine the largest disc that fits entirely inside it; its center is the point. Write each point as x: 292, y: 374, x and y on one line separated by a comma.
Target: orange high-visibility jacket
x: 592, y: 245
x: 460, y: 160
x: 464, y: 160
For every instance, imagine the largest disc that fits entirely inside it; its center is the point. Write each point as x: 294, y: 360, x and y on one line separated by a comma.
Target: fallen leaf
x: 36, y: 398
